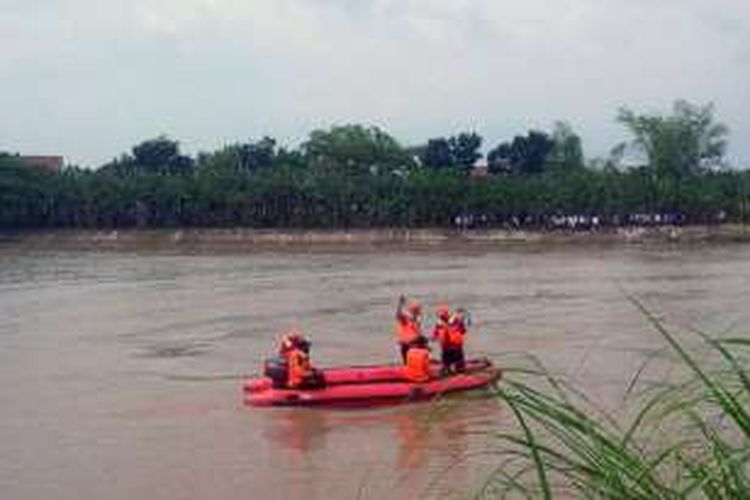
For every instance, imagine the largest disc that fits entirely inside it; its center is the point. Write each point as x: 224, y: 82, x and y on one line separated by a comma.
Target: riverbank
x: 245, y: 238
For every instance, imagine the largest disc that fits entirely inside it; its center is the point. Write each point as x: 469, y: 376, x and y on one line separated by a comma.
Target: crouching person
x: 417, y: 367
x: 291, y: 368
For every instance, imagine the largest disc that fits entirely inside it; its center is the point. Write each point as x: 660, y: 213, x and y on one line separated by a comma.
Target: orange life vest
x: 440, y: 333
x: 407, y: 329
x: 417, y: 367
x: 450, y: 333
x: 455, y: 334
x: 299, y: 367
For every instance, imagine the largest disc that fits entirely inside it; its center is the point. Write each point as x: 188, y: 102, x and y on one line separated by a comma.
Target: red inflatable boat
x: 370, y: 385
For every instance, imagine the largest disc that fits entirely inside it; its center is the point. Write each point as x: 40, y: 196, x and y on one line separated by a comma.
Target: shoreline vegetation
x: 249, y: 239
x: 355, y: 177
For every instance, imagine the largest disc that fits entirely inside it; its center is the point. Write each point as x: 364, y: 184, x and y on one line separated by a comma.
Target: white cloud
x: 90, y: 78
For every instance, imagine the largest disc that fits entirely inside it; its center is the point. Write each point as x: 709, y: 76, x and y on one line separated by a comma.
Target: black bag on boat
x: 276, y: 369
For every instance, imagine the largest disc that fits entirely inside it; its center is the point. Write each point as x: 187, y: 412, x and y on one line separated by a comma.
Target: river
x: 120, y: 371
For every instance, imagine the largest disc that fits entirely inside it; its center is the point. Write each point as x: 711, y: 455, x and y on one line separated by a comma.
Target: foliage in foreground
x: 688, y: 438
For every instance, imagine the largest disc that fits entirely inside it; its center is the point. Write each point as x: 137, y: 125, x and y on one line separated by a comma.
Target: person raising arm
x: 408, y: 324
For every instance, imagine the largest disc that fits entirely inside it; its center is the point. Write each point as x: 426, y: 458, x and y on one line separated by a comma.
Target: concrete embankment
x: 248, y: 239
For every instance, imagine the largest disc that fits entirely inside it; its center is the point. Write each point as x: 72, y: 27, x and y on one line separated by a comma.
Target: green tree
x: 25, y: 194
x: 567, y: 153
x: 499, y: 159
x: 460, y: 151
x: 465, y: 149
x: 244, y: 157
x: 437, y: 153
x: 524, y: 155
x: 685, y: 142
x: 159, y: 155
x: 254, y: 155
x: 355, y: 150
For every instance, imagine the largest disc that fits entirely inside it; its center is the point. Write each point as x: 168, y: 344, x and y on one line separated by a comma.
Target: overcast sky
x: 88, y: 79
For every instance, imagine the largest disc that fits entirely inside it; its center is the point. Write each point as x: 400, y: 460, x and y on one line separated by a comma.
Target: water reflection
x: 298, y: 429
x: 419, y: 449
x: 437, y: 443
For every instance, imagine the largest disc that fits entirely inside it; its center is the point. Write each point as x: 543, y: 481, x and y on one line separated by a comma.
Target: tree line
x: 355, y: 176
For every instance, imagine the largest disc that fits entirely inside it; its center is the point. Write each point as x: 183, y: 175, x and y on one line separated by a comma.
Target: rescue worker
x: 277, y: 367
x: 408, y: 324
x: 417, y: 367
x: 450, y: 331
x: 301, y: 374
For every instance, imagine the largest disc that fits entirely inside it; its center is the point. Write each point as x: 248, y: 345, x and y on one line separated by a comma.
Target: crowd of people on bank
x: 560, y: 221
x: 291, y: 368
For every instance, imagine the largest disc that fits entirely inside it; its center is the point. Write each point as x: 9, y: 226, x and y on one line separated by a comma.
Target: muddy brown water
x: 120, y: 372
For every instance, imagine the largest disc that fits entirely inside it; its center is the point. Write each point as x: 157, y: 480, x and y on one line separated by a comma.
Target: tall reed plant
x: 687, y: 436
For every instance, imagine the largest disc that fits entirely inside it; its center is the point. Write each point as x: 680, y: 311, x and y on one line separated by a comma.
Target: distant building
x: 480, y: 169
x: 53, y: 163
